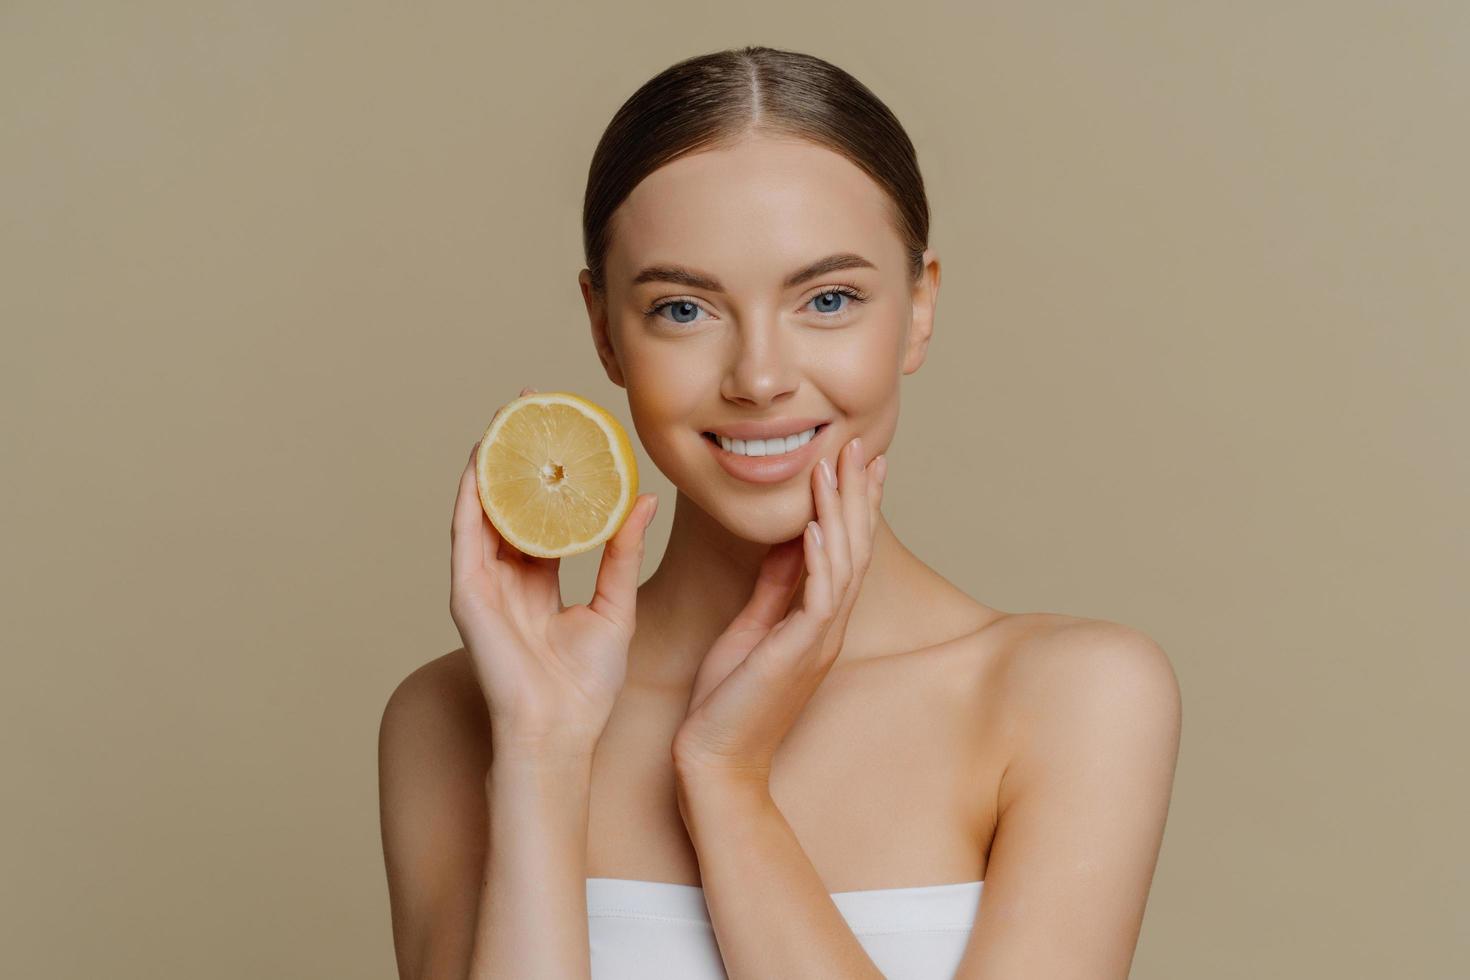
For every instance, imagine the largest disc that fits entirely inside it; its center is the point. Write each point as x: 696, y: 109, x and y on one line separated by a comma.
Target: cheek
x: 861, y: 374
x: 666, y: 392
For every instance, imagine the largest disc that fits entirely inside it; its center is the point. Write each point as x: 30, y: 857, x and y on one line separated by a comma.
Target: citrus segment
x: 556, y: 474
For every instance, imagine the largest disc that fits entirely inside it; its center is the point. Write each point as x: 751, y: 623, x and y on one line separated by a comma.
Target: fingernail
x: 827, y: 473
x: 882, y: 468
x: 857, y: 447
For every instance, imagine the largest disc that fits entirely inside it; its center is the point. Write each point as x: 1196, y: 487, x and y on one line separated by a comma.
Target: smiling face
x: 708, y: 328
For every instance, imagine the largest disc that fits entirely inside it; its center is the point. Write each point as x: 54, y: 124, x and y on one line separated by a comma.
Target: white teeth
x: 767, y: 447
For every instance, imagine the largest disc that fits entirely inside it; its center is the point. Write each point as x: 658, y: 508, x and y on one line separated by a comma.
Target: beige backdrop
x: 1200, y: 367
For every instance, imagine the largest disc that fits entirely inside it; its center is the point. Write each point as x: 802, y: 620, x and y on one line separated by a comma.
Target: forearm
x: 532, y: 918
x: 771, y: 912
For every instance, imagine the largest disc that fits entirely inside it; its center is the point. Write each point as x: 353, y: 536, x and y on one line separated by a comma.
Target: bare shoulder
x: 1058, y: 678
x: 1044, y: 661
x: 433, y: 755
x: 1068, y: 654
x: 441, y: 699
x: 1088, y: 713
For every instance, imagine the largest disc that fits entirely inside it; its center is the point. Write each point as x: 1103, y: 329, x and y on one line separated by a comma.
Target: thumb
x: 616, y: 596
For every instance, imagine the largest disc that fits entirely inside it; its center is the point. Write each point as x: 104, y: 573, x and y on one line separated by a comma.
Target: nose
x: 763, y: 366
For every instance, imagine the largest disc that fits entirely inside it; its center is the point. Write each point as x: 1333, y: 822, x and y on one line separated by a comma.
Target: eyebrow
x: 682, y: 276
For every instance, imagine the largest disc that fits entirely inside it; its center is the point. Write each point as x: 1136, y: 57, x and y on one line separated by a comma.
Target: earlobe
x: 918, y: 347
x: 921, y: 321
x: 614, y: 372
x: 605, y: 351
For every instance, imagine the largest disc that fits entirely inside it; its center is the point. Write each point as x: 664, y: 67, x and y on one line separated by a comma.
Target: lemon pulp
x: 556, y: 474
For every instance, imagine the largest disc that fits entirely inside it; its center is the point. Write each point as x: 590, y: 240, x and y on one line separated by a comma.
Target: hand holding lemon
x: 553, y: 475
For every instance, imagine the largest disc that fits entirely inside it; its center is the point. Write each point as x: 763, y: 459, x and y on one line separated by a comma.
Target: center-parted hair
x: 714, y: 100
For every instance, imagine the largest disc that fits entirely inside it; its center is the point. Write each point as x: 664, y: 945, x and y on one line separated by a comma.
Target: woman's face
x: 706, y: 331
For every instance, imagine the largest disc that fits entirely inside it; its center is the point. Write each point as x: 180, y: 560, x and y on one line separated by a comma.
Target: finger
x: 795, y: 640
x: 774, y: 586
x: 467, y: 528
x: 879, y: 470
x: 818, y: 604
x: 834, y: 532
x: 855, y: 512
x: 616, y: 596
x: 819, y: 599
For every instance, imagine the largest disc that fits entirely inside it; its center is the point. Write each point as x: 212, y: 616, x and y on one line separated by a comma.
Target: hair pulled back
x: 714, y: 100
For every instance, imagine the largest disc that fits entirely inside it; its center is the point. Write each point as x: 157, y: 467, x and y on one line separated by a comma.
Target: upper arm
x: 433, y: 754
x: 1082, y: 806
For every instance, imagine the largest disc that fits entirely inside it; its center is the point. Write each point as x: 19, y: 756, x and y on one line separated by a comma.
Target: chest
x: 885, y: 778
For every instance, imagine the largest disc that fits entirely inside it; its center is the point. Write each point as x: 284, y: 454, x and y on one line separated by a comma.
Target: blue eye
x: 685, y: 305
x: 834, y: 294
x: 689, y: 306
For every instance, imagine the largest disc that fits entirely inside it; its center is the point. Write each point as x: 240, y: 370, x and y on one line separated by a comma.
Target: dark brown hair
x: 713, y: 100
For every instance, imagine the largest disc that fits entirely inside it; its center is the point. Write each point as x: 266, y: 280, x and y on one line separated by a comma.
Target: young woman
x: 795, y: 750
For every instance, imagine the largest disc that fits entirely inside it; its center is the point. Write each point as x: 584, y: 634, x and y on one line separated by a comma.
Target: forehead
x: 751, y: 213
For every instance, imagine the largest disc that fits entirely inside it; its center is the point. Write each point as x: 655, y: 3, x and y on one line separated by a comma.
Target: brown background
x: 1200, y: 367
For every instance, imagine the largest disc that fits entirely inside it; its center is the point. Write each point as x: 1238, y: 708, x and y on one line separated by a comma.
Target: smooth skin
x: 947, y: 741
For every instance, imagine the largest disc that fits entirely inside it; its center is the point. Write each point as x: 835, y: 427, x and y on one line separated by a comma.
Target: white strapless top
x: 657, y: 930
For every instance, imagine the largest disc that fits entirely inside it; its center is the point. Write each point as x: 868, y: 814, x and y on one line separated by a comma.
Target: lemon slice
x: 556, y: 474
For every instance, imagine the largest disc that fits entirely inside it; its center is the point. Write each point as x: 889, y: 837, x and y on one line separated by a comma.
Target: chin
x: 767, y: 514
x: 764, y: 522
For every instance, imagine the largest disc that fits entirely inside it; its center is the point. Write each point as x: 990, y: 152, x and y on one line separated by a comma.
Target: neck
x: 706, y: 577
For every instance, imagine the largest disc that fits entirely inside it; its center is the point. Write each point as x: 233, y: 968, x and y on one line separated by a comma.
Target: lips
x: 770, y: 469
